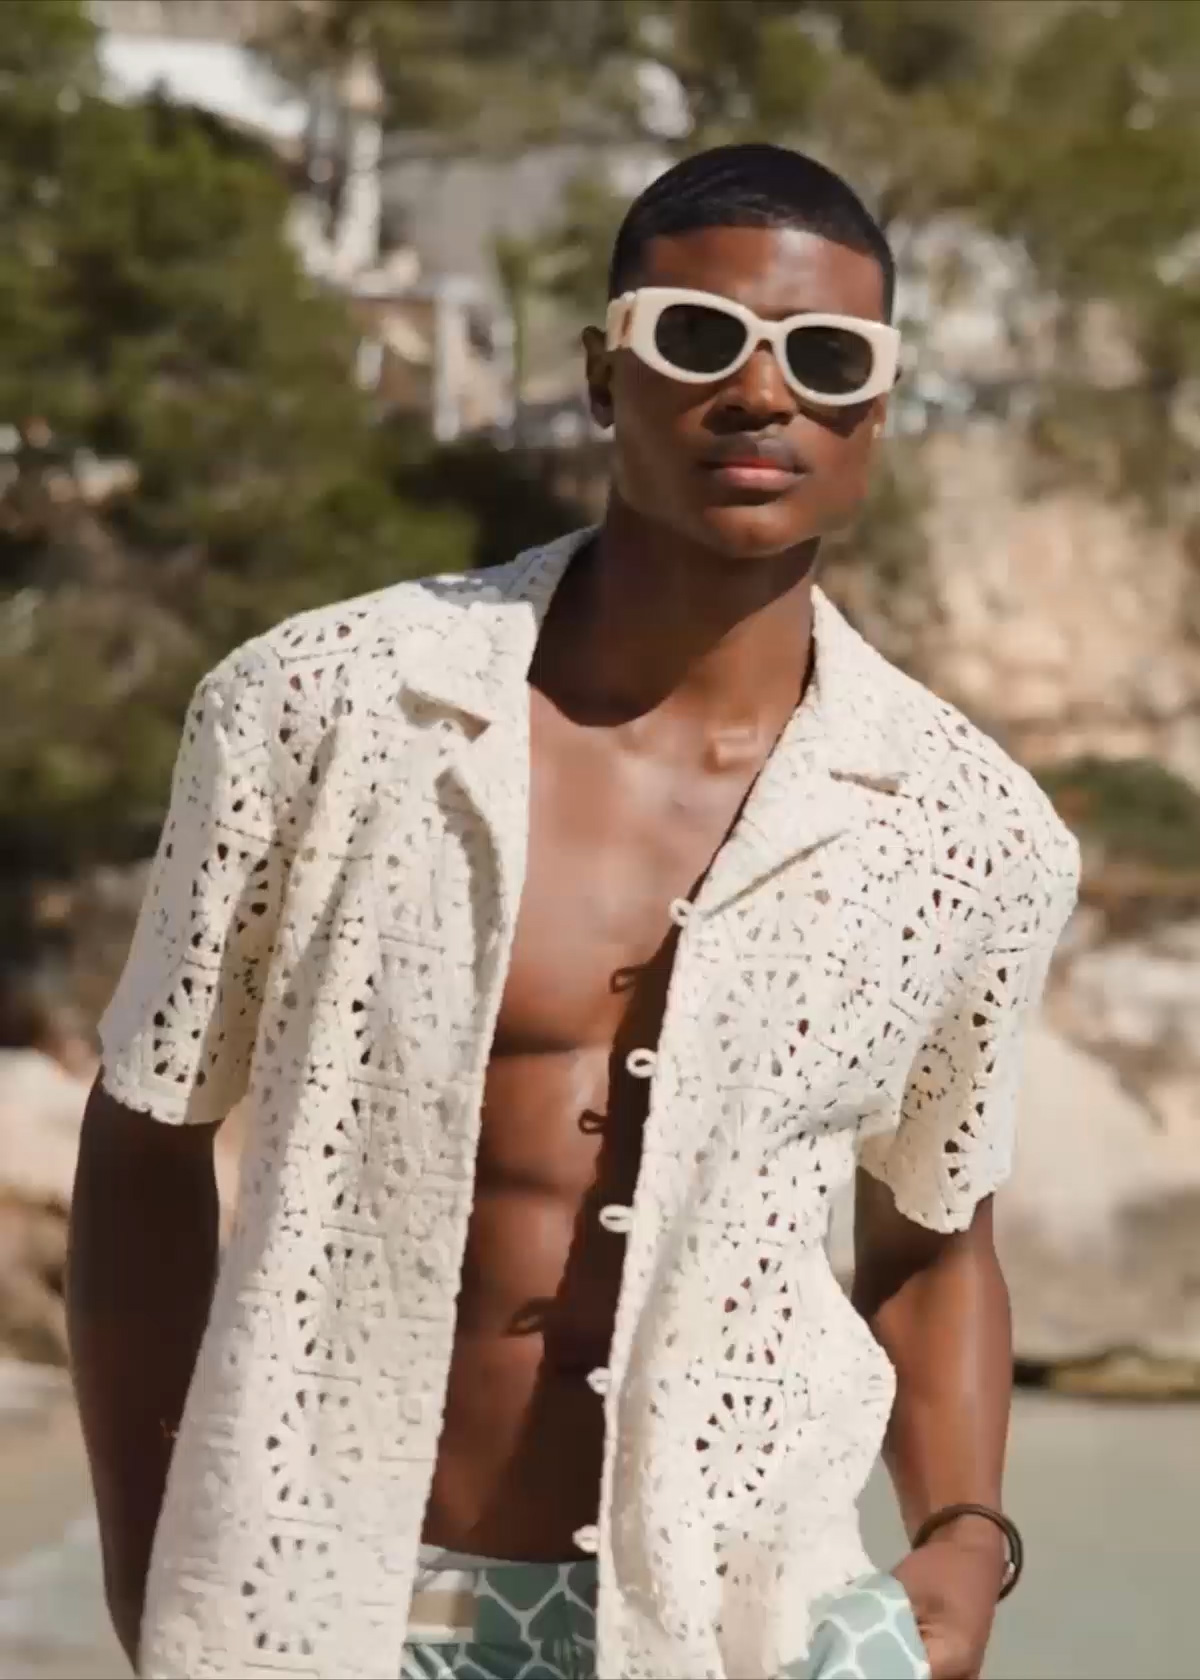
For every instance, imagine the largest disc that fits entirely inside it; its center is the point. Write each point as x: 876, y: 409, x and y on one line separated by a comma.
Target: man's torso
x: 619, y: 829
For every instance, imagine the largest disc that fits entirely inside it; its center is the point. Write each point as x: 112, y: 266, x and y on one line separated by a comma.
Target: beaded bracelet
x: 1009, y: 1529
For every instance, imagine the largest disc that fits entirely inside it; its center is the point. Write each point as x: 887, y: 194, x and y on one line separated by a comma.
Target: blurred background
x: 290, y: 292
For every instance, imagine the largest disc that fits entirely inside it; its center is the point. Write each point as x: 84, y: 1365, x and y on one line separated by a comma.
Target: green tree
x: 152, y: 315
x: 1090, y: 158
x: 463, y: 76
x: 1070, y: 127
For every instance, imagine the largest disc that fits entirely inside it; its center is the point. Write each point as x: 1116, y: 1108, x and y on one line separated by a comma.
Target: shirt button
x: 600, y: 1380
x: 615, y: 1218
x: 587, y: 1539
x: 641, y: 1063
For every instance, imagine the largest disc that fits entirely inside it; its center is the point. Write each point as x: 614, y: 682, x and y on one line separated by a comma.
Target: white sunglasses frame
x: 633, y: 317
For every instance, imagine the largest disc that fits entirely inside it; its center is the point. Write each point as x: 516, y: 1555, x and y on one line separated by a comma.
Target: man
x: 576, y: 932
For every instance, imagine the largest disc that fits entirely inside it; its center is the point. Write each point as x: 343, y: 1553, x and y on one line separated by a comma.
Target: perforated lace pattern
x: 327, y: 930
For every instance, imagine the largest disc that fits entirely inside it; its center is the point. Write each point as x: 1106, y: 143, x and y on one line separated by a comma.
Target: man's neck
x: 646, y: 621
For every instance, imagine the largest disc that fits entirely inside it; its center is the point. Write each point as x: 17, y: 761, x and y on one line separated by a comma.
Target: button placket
x: 617, y: 1218
x: 681, y: 911
x: 640, y: 1063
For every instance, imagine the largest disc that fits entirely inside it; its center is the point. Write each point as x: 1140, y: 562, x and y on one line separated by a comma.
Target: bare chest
x: 615, y: 838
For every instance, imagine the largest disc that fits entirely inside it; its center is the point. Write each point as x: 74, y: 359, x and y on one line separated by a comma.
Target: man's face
x: 670, y: 437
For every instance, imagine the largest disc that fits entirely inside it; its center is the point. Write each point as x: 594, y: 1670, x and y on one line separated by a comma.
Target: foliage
x: 469, y: 75
x: 1131, y: 810
x: 1070, y: 127
x: 152, y: 314
x: 510, y: 502
x: 1091, y: 159
x: 878, y: 569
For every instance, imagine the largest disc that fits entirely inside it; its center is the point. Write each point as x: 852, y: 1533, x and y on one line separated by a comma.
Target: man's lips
x: 764, y: 464
x: 753, y: 475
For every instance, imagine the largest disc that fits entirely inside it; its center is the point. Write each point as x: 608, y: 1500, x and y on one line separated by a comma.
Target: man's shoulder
x: 384, y: 624
x: 335, y: 649
x: 972, y: 784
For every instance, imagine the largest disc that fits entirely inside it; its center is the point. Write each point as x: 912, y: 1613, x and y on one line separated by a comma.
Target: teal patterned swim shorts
x: 865, y: 1632
x: 480, y: 1619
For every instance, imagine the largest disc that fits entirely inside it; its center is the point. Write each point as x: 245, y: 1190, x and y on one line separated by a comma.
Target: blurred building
x: 436, y: 341
x: 408, y: 234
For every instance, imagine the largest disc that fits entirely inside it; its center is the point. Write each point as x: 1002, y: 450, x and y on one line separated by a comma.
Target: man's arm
x: 177, y: 1048
x: 938, y: 1304
x: 141, y: 1268
x: 928, y: 1281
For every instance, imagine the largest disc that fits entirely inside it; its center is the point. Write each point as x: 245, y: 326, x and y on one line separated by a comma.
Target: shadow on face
x: 673, y: 441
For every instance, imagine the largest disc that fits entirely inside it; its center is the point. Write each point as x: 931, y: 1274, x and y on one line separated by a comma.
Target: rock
x: 1098, y: 1229
x: 41, y: 1110
x: 1128, y: 1376
x: 1136, y: 1005
x: 841, y: 1237
x: 1174, y: 1102
x: 28, y: 1392
x: 227, y: 1162
x: 33, y: 1256
x: 1082, y: 934
x: 1060, y: 618
x: 1132, y: 993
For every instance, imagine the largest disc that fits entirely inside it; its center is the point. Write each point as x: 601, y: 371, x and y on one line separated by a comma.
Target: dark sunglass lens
x: 831, y: 360
x: 697, y: 339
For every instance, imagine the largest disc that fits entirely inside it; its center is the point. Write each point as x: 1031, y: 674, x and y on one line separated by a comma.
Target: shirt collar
x: 483, y: 628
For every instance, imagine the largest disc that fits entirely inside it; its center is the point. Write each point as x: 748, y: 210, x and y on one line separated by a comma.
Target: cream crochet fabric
x: 327, y: 931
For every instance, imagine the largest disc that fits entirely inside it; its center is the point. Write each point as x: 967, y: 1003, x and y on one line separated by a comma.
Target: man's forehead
x: 774, y: 271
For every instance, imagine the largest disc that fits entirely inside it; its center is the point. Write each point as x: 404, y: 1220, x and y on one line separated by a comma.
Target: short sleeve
x: 178, y: 1035
x: 954, y: 1142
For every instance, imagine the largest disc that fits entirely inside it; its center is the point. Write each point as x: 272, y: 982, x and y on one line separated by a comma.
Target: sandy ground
x: 53, y: 1624
x: 1107, y: 1495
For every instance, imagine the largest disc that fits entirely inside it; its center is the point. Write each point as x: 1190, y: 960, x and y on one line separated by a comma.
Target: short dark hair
x: 751, y: 185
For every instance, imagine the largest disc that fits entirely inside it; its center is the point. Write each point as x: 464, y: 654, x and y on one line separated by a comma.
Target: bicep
x: 142, y: 1246
x: 890, y: 1250
x: 132, y: 1177
x: 115, y: 1139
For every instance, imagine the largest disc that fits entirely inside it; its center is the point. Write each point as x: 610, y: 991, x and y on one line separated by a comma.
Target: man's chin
x: 749, y: 531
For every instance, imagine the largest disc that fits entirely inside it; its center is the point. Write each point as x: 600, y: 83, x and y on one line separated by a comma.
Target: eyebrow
x: 782, y: 314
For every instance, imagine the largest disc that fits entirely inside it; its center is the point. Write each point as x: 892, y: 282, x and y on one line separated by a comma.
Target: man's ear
x: 598, y: 362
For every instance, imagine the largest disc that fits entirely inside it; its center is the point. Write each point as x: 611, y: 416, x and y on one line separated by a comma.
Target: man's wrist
x: 964, y: 1527
x: 974, y: 1532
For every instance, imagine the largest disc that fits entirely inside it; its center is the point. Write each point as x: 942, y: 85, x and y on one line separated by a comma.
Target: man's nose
x: 757, y: 393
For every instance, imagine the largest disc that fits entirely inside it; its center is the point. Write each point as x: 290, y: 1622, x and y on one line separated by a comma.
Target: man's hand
x: 953, y: 1583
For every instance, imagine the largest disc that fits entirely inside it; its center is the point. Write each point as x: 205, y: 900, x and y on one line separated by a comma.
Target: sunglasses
x: 698, y: 337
